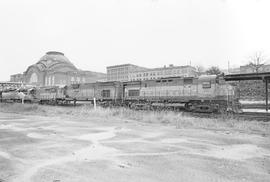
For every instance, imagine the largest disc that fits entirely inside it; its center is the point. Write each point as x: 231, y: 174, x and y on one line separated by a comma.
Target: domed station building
x: 55, y: 69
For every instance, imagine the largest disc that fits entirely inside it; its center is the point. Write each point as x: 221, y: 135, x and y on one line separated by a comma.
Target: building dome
x: 55, y: 69
x: 53, y: 61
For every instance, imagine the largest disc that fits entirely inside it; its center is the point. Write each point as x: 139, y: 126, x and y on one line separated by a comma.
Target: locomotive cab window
x: 133, y: 93
x: 206, y: 84
x: 106, y: 93
x: 75, y: 86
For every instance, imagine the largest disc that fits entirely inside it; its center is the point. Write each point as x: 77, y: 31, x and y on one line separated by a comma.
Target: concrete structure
x: 170, y: 71
x: 250, y: 69
x: 122, y: 72
x: 265, y: 77
x: 55, y: 69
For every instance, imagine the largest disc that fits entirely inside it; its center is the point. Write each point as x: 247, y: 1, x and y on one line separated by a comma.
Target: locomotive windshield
x: 106, y: 93
x: 133, y: 93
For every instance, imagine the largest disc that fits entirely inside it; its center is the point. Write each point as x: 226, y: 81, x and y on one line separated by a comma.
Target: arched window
x: 33, y: 78
x: 52, y: 80
x: 49, y: 80
x: 46, y: 81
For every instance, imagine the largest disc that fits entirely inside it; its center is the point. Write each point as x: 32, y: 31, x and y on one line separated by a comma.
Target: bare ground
x: 54, y: 149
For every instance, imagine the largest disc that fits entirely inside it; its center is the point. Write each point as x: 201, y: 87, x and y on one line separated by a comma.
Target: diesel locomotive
x: 18, y: 95
x: 207, y: 93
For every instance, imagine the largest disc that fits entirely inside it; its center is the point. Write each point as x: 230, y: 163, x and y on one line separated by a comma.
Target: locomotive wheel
x: 222, y: 109
x: 191, y: 107
x: 203, y: 108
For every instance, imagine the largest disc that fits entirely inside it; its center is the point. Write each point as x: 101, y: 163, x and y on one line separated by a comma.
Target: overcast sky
x: 94, y: 34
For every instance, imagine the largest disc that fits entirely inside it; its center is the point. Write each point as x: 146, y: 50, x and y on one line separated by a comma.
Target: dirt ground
x: 54, y: 149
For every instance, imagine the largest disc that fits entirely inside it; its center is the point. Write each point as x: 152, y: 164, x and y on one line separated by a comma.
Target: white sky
x: 94, y: 34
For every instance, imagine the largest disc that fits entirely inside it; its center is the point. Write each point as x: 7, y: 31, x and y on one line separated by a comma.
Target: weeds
x: 165, y: 117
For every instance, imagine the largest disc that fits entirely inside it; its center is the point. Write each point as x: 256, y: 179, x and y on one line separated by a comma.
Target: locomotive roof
x: 202, y: 77
x: 207, y: 77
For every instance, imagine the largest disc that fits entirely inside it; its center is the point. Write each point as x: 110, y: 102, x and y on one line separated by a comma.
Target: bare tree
x: 257, y: 61
x: 214, y: 70
x: 200, y: 69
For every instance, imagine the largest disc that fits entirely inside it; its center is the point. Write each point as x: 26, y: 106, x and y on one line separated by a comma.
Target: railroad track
x: 255, y: 116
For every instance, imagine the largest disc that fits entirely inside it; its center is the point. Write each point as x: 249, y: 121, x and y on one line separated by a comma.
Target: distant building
x: 163, y: 72
x: 122, y: 72
x: 16, y: 78
x: 250, y: 69
x: 55, y: 69
x: 234, y: 70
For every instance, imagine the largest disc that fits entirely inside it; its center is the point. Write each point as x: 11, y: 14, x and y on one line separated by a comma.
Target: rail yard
x: 170, y: 129
x: 135, y: 91
x: 205, y: 128
x: 204, y: 94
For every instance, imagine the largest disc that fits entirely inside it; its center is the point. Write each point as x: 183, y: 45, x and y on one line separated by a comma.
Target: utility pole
x: 266, y: 94
x: 228, y: 66
x: 95, y: 104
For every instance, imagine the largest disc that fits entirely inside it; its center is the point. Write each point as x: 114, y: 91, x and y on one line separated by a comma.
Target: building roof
x: 247, y: 76
x: 163, y: 68
x: 122, y: 65
x: 53, y: 61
